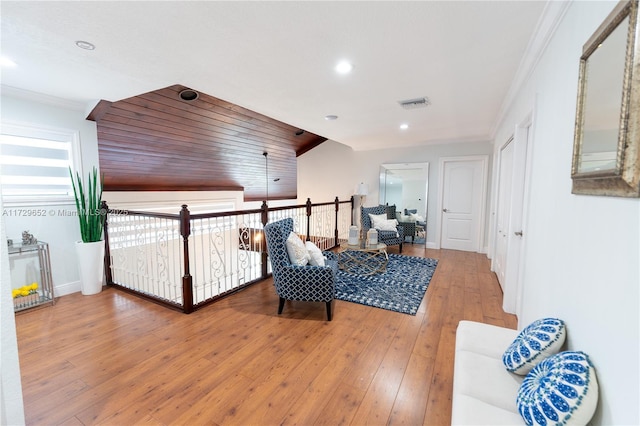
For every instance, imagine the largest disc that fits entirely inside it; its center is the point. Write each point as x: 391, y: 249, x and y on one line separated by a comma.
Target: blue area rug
x: 400, y: 288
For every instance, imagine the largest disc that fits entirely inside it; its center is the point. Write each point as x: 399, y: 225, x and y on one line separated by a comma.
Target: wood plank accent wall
x: 159, y: 142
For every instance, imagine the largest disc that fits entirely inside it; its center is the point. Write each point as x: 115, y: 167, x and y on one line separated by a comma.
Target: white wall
x: 11, y: 405
x: 333, y: 169
x: 581, y: 253
x: 58, y: 226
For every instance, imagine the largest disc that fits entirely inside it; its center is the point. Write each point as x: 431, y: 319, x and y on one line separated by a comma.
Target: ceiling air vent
x: 415, y: 103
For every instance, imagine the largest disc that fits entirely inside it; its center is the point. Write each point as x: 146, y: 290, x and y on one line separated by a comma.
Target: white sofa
x: 484, y: 392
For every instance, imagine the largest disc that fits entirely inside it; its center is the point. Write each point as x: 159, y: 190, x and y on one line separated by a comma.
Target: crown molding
x: 28, y: 95
x: 547, y: 25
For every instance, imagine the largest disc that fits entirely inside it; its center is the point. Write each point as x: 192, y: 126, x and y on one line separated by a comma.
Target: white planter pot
x: 91, y: 266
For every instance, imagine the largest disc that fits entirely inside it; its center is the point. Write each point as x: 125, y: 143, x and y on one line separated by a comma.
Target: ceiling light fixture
x: 344, y: 67
x: 85, y: 45
x: 189, y: 95
x: 330, y: 117
x: 404, y: 126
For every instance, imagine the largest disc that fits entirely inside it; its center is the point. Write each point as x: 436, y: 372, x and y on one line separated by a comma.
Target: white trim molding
x: 547, y: 25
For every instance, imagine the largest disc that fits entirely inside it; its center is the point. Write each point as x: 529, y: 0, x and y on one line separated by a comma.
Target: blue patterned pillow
x: 537, y: 341
x: 560, y: 390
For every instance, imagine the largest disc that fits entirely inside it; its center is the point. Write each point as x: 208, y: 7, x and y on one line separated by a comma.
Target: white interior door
x: 513, y: 290
x: 462, y: 201
x: 503, y: 212
x: 509, y: 235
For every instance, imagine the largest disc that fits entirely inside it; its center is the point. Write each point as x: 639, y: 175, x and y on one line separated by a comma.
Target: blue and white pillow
x: 560, y: 390
x: 535, y: 342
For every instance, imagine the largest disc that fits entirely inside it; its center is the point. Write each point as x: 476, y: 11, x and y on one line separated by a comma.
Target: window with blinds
x: 34, y: 164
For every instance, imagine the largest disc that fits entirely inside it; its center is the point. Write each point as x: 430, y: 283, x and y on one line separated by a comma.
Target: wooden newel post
x: 187, y: 280
x: 308, y: 219
x: 265, y: 220
x: 337, y: 203
x: 104, y: 210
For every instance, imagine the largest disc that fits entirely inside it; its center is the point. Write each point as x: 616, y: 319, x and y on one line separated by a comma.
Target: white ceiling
x: 277, y: 58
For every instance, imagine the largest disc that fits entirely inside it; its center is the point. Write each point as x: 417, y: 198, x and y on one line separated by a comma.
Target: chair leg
x: 281, y: 305
x: 400, y: 247
x: 329, y: 310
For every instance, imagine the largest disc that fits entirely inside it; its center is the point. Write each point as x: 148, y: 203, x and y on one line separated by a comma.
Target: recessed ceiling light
x: 85, y: 45
x: 404, y: 126
x: 330, y: 117
x: 188, y: 95
x: 6, y: 62
x: 344, y: 67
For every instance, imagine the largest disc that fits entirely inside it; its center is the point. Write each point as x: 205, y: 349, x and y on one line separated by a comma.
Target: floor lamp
x: 363, y: 191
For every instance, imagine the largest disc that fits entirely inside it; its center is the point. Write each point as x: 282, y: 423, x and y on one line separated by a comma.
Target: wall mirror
x: 606, y: 158
x: 406, y: 185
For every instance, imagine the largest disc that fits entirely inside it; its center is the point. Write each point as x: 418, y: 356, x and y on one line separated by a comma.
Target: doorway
x: 509, y: 233
x: 503, y: 211
x: 461, y: 202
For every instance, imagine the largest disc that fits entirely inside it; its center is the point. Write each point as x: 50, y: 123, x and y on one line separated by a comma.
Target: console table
x: 43, y: 294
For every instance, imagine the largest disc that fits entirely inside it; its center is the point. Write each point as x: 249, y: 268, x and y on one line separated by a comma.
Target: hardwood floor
x: 114, y: 359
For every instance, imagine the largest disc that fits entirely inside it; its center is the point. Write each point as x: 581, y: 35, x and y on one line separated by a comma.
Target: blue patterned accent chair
x: 419, y: 223
x: 302, y: 283
x: 390, y: 238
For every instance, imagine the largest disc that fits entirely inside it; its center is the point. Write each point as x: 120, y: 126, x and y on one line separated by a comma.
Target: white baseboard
x: 431, y: 245
x: 68, y: 288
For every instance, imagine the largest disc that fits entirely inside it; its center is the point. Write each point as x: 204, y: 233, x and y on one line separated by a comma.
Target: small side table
x: 44, y: 293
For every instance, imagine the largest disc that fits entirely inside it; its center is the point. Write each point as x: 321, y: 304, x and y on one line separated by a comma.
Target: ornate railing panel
x: 145, y: 254
x: 187, y: 261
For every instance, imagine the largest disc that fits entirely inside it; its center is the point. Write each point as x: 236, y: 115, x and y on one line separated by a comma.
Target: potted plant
x: 90, y: 250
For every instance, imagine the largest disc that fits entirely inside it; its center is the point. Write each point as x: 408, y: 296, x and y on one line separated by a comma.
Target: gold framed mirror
x: 606, y: 147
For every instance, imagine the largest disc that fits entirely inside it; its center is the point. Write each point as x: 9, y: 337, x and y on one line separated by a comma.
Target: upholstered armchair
x: 390, y: 238
x: 409, y: 230
x: 420, y: 224
x: 302, y: 283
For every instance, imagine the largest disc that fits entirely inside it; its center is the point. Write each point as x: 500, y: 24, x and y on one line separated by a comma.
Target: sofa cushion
x: 483, y: 391
x: 485, y: 378
x: 537, y: 341
x: 486, y: 339
x: 469, y: 410
x: 561, y: 389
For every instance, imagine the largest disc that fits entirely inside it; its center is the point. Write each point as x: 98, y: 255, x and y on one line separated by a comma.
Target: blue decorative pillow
x: 560, y: 390
x: 537, y: 341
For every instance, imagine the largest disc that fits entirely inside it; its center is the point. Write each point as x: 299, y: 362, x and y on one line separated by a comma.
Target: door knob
x: 445, y: 210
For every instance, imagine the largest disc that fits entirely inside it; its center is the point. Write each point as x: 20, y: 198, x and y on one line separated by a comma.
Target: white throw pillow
x: 535, y: 342
x: 416, y: 217
x: 317, y: 259
x: 406, y: 218
x: 375, y: 218
x: 560, y: 390
x: 298, y: 253
x: 387, y: 225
